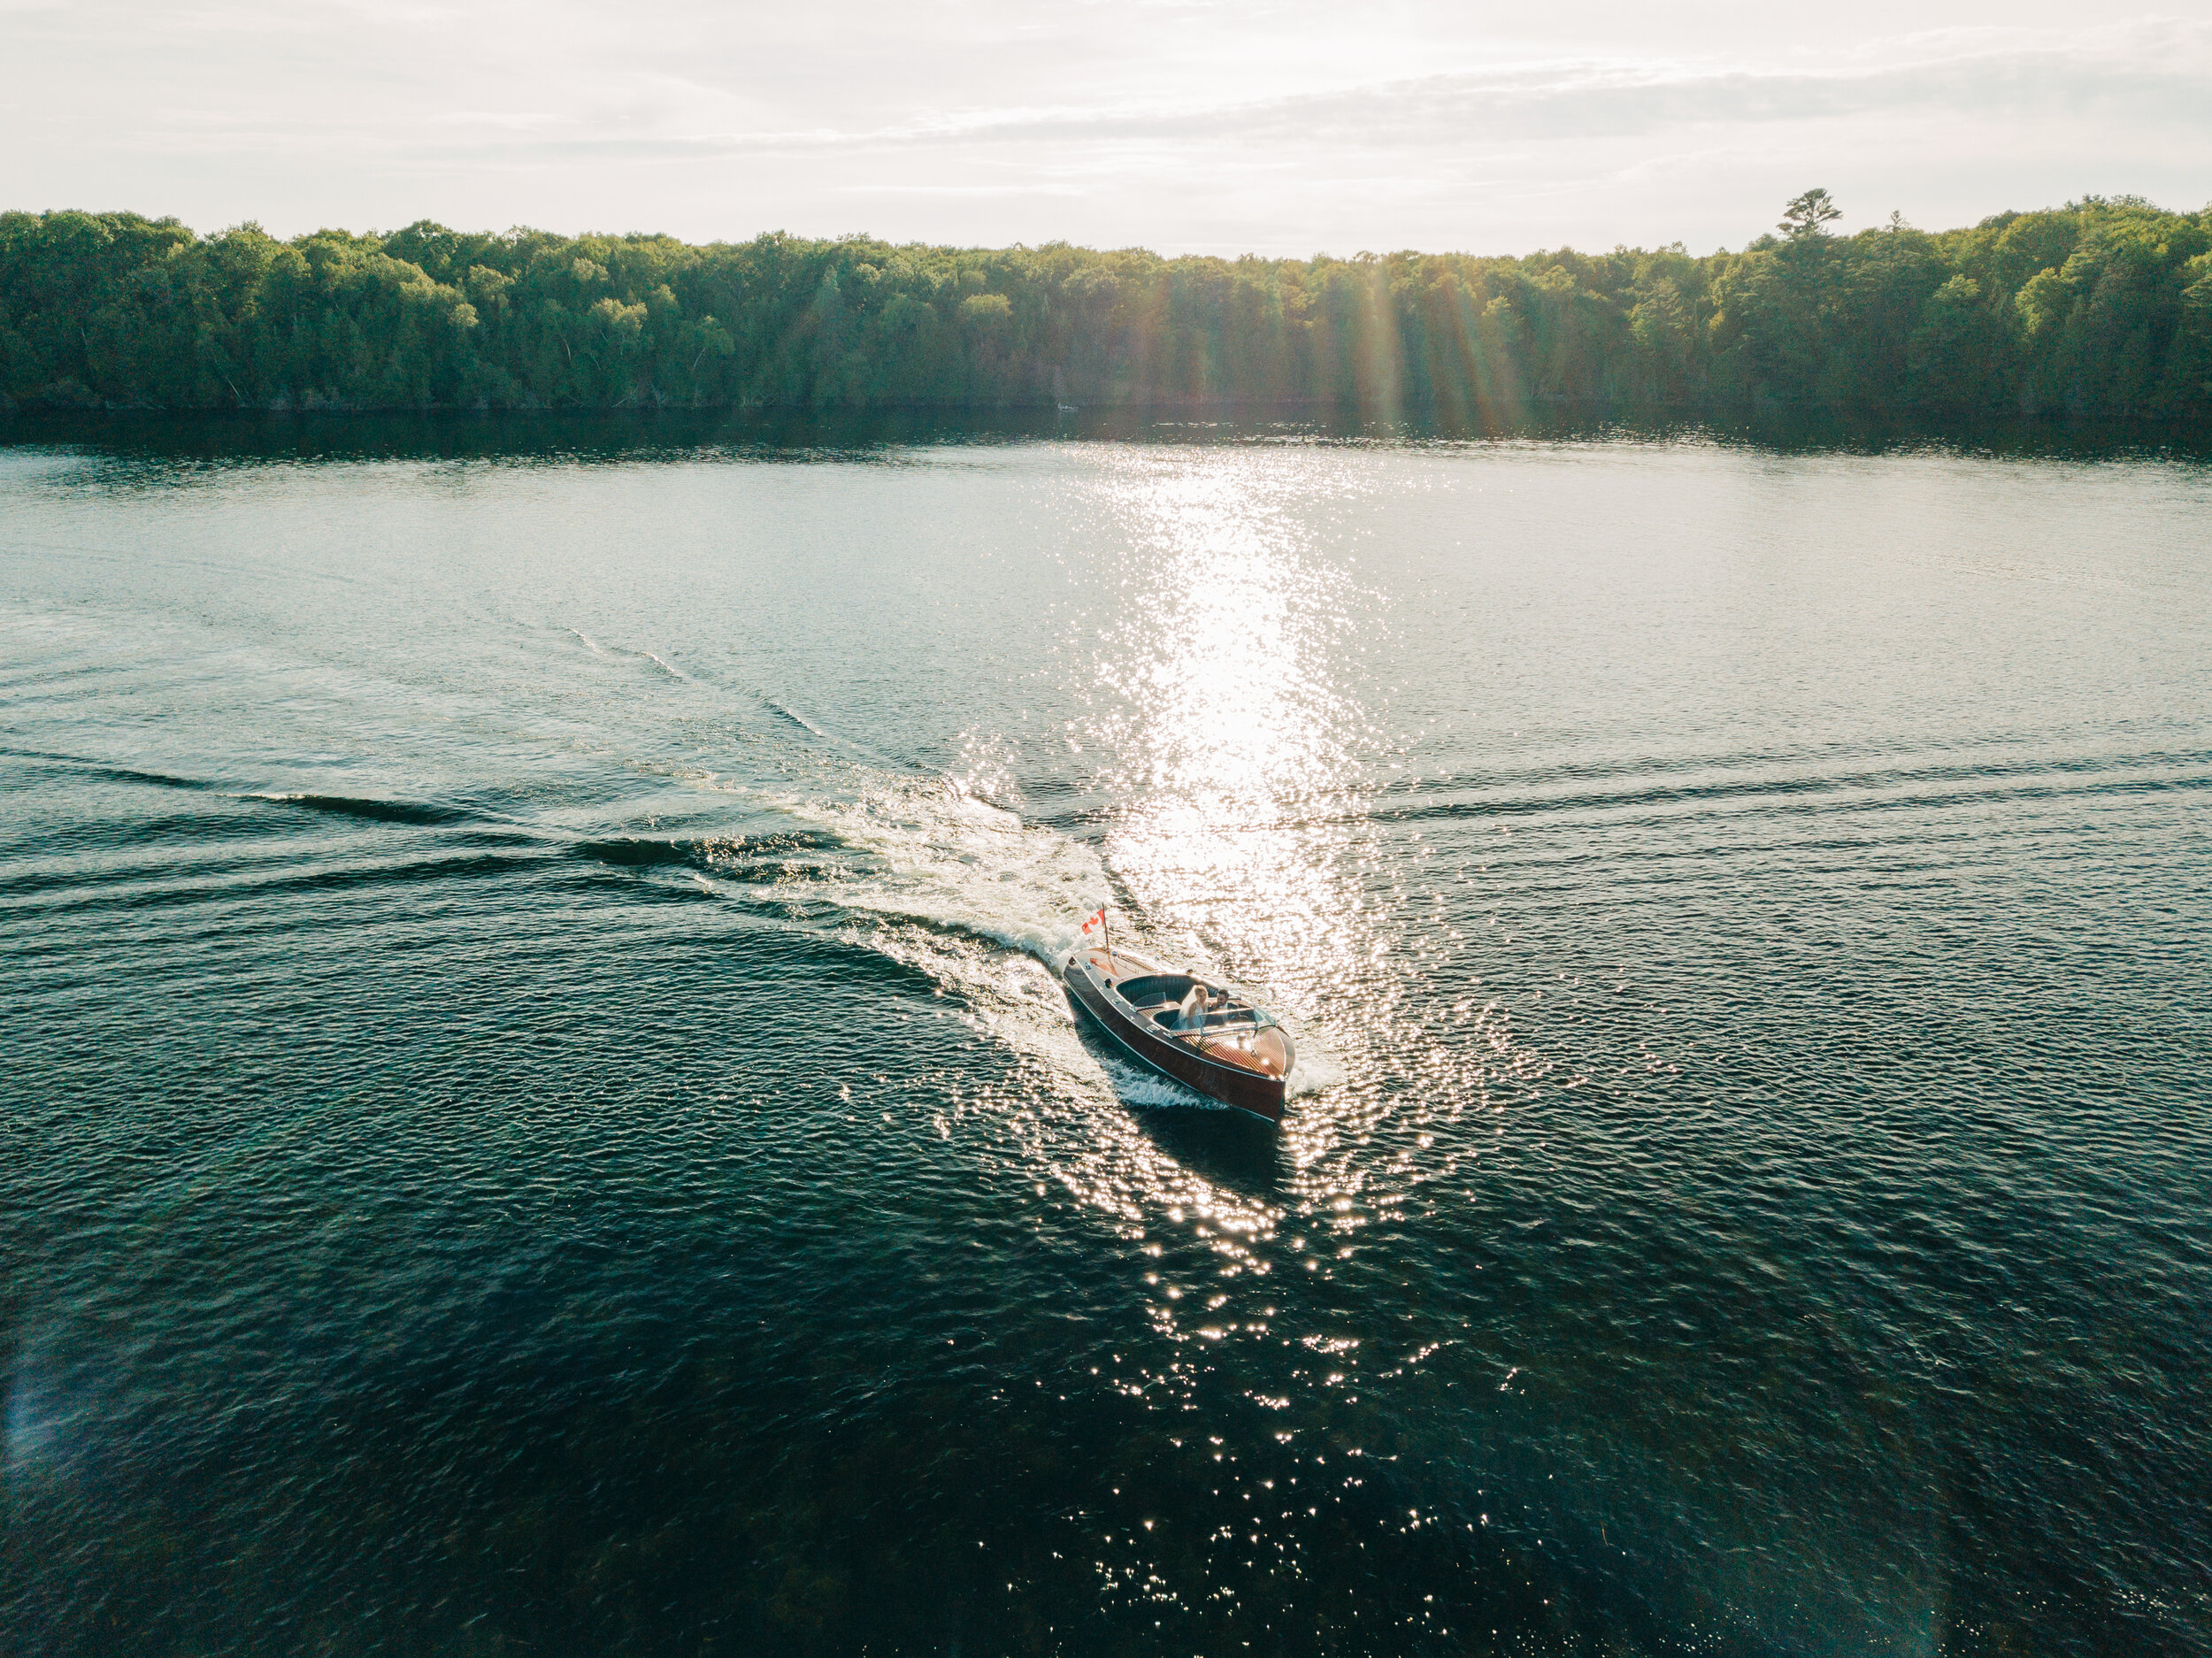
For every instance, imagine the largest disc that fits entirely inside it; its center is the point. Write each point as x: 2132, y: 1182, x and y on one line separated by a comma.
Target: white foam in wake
x: 931, y: 852
x: 972, y: 876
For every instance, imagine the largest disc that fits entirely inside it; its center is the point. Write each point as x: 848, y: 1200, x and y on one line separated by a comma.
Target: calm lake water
x: 538, y: 1120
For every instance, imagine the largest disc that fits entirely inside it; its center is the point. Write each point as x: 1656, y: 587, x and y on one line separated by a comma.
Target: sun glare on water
x: 1226, y: 677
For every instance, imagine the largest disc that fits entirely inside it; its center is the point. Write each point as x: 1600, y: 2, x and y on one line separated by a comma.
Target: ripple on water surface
x: 543, y: 1119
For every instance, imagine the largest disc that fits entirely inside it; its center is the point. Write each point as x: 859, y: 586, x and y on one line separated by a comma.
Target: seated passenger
x: 1190, y: 1014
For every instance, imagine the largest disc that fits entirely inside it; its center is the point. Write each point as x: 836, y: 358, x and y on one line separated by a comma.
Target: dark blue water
x: 537, y: 1119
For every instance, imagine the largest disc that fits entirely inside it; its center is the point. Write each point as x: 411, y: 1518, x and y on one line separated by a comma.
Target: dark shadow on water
x: 1233, y: 1149
x: 815, y: 434
x: 1230, y: 1149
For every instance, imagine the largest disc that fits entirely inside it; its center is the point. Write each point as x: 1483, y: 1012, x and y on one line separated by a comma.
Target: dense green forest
x: 2103, y: 306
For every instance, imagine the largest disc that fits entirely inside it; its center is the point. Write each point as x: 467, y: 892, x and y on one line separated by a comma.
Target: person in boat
x: 1190, y: 1014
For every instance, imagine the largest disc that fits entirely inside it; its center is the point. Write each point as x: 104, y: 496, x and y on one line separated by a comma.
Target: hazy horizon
x: 1228, y: 128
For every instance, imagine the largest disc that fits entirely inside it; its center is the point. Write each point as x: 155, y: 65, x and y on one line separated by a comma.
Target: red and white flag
x: 1097, y: 919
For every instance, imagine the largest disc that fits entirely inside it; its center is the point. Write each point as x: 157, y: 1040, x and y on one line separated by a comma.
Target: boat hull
x: 1247, y: 1090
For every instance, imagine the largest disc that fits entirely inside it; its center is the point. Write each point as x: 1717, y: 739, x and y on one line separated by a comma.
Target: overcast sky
x: 1188, y: 126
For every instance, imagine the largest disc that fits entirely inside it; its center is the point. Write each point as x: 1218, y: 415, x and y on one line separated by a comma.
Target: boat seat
x: 1155, y: 986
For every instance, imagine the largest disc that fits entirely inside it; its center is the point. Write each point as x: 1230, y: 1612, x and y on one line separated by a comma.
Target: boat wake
x: 984, y: 904
x: 928, y: 851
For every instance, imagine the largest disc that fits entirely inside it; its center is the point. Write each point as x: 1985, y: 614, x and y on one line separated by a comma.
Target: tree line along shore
x: 2101, y: 307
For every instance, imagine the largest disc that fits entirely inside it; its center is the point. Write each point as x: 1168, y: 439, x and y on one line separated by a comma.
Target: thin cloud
x: 1585, y: 100
x: 1277, y: 127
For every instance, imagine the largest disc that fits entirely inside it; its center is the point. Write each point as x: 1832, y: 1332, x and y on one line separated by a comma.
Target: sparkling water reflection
x: 543, y: 1120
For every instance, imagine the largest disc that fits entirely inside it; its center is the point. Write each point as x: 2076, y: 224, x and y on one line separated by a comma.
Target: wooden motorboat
x: 1204, y: 1035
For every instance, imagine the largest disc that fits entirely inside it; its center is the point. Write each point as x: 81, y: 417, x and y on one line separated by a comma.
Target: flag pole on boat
x: 1097, y: 918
